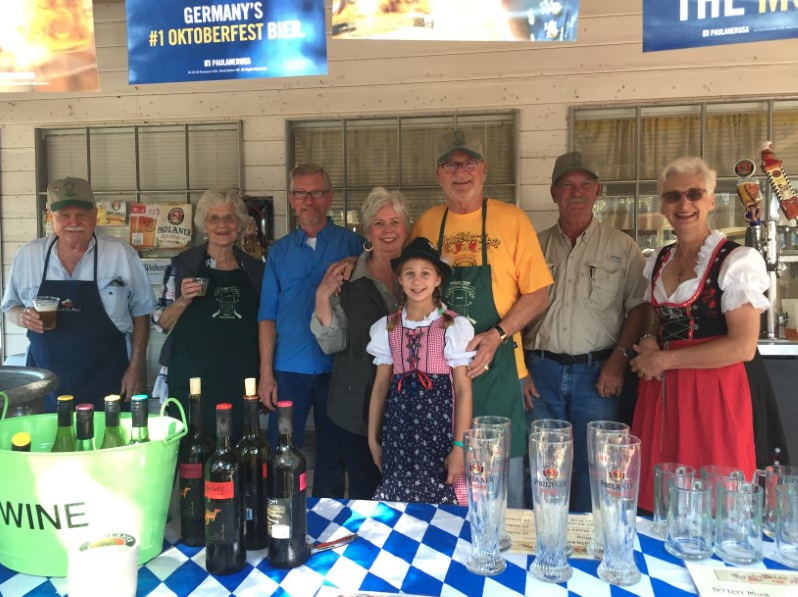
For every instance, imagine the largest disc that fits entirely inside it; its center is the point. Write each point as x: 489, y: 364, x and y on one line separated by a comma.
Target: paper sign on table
x: 714, y: 581
x: 521, y: 527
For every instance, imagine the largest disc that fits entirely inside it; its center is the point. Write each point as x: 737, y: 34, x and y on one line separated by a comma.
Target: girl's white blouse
x: 743, y: 277
x: 457, y: 337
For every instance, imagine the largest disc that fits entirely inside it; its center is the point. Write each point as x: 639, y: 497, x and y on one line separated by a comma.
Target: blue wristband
x: 458, y: 444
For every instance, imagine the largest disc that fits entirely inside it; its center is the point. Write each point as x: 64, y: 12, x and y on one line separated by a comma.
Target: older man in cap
x: 578, y: 350
x: 499, y: 282
x: 98, y: 346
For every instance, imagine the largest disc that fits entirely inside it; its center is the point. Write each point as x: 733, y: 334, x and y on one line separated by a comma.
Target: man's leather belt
x: 575, y: 359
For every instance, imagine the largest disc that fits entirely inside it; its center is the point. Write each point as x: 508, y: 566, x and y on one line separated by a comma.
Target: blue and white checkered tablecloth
x: 419, y: 549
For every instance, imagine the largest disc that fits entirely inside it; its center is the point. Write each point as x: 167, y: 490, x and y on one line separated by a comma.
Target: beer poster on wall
x: 452, y: 20
x: 47, y: 46
x: 170, y: 40
x: 694, y: 24
x: 160, y: 225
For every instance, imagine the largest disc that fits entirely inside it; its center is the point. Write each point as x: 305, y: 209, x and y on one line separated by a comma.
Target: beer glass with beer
x: 47, y: 308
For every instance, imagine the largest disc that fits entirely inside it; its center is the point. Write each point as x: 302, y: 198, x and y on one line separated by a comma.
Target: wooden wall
x: 540, y: 81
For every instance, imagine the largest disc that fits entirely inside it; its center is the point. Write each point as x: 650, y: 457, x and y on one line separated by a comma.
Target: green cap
x: 68, y: 191
x: 569, y: 162
x: 459, y: 141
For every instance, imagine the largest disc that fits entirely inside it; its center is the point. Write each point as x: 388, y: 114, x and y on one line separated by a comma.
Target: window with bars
x: 399, y: 152
x: 636, y: 142
x: 172, y: 163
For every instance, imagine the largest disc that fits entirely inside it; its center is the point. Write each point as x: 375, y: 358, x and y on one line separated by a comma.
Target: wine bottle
x: 225, y: 547
x: 253, y: 452
x: 84, y: 427
x: 194, y: 450
x: 113, y: 437
x: 287, y: 496
x: 20, y: 442
x: 139, y: 415
x: 65, y: 434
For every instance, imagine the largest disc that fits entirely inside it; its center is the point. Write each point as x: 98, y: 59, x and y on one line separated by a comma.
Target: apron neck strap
x: 50, y: 250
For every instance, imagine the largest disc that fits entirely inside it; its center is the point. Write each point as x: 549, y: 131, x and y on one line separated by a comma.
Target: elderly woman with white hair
x: 213, y: 334
x: 704, y: 388
x: 341, y: 321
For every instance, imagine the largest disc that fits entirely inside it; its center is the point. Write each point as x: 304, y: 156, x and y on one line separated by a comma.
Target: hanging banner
x: 675, y: 24
x: 47, y: 46
x: 199, y: 40
x: 451, y: 20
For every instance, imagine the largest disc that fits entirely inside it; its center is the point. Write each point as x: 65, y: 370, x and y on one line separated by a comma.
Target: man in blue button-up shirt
x: 291, y: 361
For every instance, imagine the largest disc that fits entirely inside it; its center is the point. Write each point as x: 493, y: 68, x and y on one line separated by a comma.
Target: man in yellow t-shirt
x: 500, y: 282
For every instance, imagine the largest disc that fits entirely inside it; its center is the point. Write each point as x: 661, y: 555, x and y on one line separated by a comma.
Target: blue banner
x: 674, y: 24
x: 200, y: 40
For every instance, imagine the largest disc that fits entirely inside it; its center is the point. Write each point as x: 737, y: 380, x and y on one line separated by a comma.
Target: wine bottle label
x: 250, y: 501
x: 278, y: 511
x: 220, y: 521
x: 191, y: 471
x: 219, y: 490
x: 265, y: 471
x: 302, y: 484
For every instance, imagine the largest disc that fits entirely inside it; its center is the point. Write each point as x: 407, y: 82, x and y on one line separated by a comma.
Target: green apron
x: 469, y: 292
x: 216, y: 339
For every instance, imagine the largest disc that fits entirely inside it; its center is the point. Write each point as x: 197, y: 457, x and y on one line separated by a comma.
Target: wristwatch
x: 502, y: 333
x: 628, y: 353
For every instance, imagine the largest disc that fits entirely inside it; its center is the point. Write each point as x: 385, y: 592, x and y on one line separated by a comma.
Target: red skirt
x: 696, y: 417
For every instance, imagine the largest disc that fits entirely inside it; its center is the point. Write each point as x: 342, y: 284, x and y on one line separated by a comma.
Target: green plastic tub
x: 52, y: 503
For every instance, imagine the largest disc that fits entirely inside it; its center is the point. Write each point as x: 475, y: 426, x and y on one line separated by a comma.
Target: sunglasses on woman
x: 692, y: 194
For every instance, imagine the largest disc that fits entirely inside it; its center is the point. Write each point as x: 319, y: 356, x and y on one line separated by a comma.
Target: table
x: 419, y: 549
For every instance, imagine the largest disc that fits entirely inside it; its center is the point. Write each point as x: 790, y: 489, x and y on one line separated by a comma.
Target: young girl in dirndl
x: 421, y: 399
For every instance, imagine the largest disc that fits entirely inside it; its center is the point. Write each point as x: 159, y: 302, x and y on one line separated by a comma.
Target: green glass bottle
x: 65, y: 434
x: 139, y: 414
x: 84, y: 428
x: 20, y: 442
x: 114, y: 437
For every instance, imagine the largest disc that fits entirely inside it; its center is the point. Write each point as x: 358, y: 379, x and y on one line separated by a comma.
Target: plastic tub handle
x: 176, y: 436
x: 5, y: 405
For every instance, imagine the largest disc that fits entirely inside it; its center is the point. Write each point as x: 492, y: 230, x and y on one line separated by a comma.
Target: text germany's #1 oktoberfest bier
x: 225, y: 547
x: 287, y: 510
x: 195, y: 448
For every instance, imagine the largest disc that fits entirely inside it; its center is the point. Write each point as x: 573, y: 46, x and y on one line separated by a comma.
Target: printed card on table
x: 521, y: 527
x: 759, y: 582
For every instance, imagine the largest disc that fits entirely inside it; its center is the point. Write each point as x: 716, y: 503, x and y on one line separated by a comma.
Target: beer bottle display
x: 225, y: 547
x: 84, y: 427
x: 65, y: 433
x: 20, y: 442
x: 287, y: 499
x: 139, y: 415
x: 253, y: 452
x: 114, y: 436
x: 194, y: 450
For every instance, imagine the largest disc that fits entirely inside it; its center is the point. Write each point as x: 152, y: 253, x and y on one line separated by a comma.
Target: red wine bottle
x: 225, y: 547
x: 287, y: 501
x: 253, y: 452
x: 194, y: 450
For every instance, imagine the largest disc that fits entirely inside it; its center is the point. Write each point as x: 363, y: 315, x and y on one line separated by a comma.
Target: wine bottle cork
x: 195, y: 385
x: 249, y: 386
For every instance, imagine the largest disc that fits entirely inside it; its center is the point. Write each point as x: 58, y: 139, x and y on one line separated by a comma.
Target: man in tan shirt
x: 577, y: 351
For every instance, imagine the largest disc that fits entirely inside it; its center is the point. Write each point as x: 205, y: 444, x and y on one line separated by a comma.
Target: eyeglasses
x: 215, y: 220
x: 692, y: 194
x: 302, y: 195
x: 451, y: 166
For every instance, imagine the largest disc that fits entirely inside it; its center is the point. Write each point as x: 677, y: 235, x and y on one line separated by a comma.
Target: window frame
x: 353, y: 194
